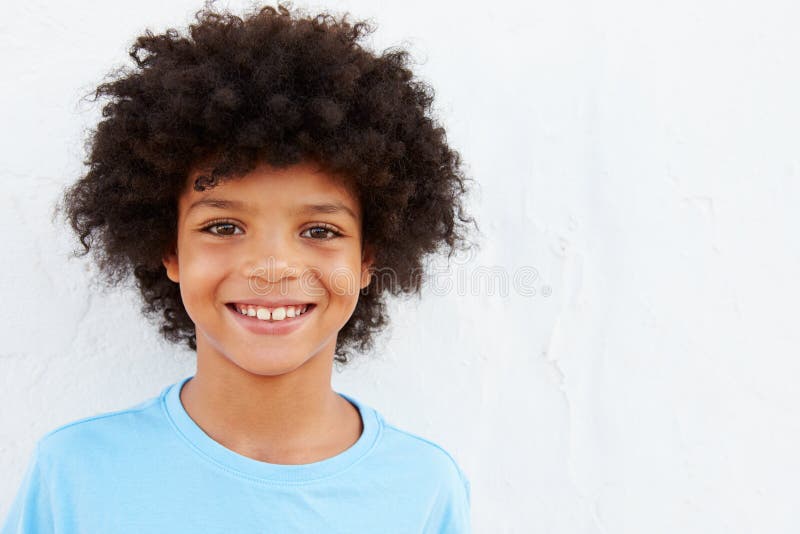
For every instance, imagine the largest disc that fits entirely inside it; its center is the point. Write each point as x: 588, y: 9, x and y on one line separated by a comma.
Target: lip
x: 257, y: 326
x: 264, y: 303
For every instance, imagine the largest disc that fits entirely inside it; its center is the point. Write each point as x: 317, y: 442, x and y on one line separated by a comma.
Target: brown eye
x: 228, y: 229
x: 321, y: 231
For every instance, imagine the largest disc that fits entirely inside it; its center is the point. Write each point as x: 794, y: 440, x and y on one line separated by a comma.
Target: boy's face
x: 269, y: 246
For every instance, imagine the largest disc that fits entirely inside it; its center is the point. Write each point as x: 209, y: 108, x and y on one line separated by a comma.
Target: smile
x: 275, y: 321
x: 279, y: 313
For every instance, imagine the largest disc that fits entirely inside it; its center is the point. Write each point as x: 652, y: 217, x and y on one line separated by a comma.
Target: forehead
x: 269, y: 187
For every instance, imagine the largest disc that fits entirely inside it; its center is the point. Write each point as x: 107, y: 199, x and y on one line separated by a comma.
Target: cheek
x: 331, y: 272
x: 343, y: 277
x: 200, y: 269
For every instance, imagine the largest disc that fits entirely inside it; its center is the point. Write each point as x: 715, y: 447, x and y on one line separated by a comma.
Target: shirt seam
x: 461, y: 474
x: 96, y: 417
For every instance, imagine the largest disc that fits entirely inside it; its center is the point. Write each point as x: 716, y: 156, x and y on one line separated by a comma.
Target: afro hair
x: 274, y: 86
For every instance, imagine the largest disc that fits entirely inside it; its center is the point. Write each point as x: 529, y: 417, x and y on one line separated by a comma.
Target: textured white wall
x: 641, y: 156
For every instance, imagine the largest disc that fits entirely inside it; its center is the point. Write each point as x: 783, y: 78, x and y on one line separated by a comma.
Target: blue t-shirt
x: 151, y: 469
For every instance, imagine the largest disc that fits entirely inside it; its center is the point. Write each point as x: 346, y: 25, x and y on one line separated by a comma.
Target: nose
x: 272, y: 258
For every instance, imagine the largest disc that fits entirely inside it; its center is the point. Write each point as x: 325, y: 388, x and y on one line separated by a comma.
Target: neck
x: 294, y: 417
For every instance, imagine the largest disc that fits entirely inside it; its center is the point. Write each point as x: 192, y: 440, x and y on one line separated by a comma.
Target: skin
x: 269, y: 397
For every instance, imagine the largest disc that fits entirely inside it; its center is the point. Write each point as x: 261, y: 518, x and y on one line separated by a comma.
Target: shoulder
x: 439, y: 476
x: 89, y: 437
x: 426, y: 449
x: 427, y: 455
x: 396, y: 450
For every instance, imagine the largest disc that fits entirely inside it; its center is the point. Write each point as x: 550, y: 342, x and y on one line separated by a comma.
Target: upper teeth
x: 277, y: 314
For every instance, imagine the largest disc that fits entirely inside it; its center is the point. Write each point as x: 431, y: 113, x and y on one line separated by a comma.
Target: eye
x: 324, y: 228
x: 220, y: 224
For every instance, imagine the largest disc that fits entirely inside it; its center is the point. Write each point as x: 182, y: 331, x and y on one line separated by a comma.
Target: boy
x: 254, y: 176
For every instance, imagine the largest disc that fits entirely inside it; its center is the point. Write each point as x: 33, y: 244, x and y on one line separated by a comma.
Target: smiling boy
x: 254, y: 244
x: 253, y: 176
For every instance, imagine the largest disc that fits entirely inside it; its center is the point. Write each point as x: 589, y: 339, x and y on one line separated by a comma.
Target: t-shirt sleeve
x: 30, y: 511
x: 454, y: 514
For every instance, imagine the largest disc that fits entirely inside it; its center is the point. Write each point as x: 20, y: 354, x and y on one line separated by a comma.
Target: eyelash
x: 223, y: 222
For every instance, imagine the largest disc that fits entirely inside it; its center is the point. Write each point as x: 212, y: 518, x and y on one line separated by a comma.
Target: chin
x: 270, y: 363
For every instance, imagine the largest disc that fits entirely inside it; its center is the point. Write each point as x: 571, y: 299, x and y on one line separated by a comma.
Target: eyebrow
x: 322, y: 207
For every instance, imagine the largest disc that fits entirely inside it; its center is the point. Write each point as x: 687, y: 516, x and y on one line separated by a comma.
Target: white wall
x: 641, y: 156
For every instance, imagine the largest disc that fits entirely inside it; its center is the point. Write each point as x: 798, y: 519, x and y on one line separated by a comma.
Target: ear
x: 170, y: 261
x: 367, y: 261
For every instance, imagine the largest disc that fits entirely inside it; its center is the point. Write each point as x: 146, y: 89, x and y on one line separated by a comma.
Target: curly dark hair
x: 281, y: 87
